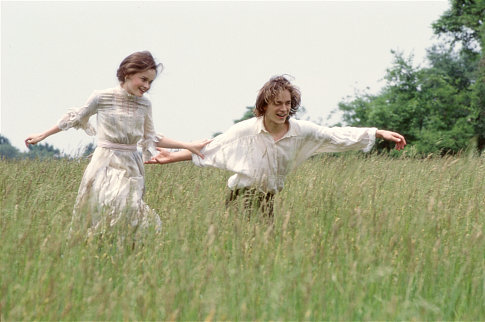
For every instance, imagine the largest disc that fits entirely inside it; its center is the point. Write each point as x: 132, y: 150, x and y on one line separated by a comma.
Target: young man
x: 261, y: 151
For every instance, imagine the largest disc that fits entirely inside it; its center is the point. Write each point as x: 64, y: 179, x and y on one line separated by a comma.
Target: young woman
x: 113, y: 183
x: 262, y: 151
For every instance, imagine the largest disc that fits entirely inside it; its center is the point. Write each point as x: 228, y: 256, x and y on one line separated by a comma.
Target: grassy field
x: 354, y: 238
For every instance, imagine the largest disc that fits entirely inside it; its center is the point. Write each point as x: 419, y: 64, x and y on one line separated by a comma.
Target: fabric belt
x: 116, y: 146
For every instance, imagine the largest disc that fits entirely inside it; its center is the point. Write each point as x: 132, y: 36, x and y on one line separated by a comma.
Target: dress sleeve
x: 78, y: 118
x: 150, y: 137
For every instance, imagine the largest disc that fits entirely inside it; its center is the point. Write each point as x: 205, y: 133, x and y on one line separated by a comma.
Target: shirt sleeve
x: 216, y: 153
x: 232, y: 151
x: 78, y: 118
x: 341, y: 139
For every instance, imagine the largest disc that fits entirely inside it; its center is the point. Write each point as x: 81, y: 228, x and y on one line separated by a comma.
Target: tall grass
x: 354, y: 238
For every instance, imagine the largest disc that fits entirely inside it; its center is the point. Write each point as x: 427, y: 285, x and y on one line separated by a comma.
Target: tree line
x: 38, y: 151
x: 439, y: 108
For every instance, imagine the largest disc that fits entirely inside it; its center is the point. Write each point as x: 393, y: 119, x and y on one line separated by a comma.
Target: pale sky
x: 217, y: 55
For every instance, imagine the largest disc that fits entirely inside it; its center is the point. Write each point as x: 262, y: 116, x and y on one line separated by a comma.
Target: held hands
x: 164, y: 156
x: 392, y: 136
x: 195, y: 147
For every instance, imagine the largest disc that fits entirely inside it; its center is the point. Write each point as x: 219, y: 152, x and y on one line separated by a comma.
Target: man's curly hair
x: 271, y: 89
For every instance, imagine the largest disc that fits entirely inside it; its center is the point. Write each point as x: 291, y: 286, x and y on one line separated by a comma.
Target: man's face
x: 278, y: 111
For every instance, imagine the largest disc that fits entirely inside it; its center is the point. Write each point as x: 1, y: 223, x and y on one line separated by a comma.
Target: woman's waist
x: 109, y: 144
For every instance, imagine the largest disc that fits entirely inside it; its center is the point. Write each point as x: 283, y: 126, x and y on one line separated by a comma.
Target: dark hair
x: 271, y: 89
x: 137, y: 63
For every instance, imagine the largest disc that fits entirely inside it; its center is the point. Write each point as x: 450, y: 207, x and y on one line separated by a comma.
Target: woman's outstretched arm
x: 193, y: 147
x: 165, y: 156
x: 36, y: 138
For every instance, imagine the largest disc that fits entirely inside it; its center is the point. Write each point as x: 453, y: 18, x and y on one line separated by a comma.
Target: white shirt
x: 250, y: 151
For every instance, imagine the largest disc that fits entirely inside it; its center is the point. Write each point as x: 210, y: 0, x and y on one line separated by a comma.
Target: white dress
x: 113, y: 183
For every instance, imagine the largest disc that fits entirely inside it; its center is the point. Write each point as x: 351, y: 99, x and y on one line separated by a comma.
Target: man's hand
x: 392, y: 136
x: 196, y: 147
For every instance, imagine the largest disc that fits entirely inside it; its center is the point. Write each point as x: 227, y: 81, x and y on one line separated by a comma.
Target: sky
x: 216, y: 57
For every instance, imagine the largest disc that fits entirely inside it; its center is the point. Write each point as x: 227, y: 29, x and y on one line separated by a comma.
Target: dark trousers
x: 252, y: 200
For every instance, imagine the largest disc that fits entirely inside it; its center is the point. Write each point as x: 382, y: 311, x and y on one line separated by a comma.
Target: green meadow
x: 354, y: 238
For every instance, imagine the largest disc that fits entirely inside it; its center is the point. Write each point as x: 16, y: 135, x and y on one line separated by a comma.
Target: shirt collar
x: 291, y: 129
x: 260, y: 127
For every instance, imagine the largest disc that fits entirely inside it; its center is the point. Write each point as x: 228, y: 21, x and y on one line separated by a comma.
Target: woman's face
x: 139, y: 83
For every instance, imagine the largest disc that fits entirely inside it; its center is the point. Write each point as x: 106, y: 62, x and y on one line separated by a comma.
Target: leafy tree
x: 88, y: 149
x: 478, y: 101
x: 439, y: 108
x: 464, y: 24
x: 356, y: 109
x: 4, y: 140
x: 393, y: 108
x: 431, y: 106
x: 247, y: 114
x: 7, y: 151
x: 446, y: 96
x: 43, y: 151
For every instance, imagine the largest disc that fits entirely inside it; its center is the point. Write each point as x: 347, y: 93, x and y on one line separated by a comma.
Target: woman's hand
x: 34, y: 139
x: 164, y: 156
x: 392, y: 136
